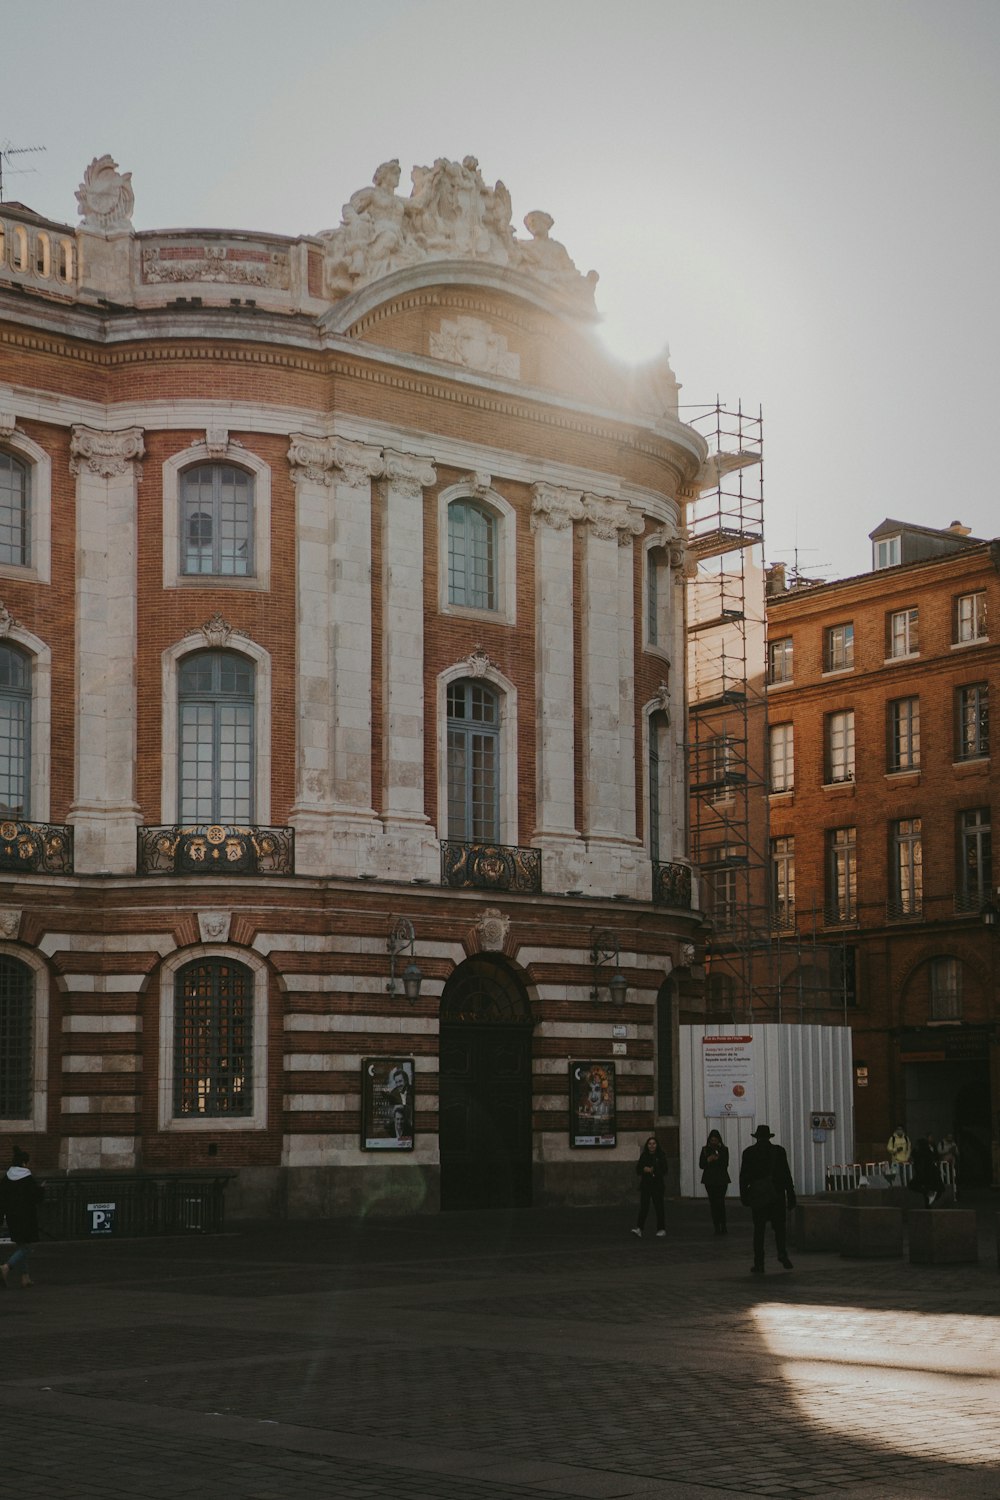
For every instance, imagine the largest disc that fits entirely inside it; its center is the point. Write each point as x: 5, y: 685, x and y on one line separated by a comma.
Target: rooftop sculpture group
x: 451, y: 213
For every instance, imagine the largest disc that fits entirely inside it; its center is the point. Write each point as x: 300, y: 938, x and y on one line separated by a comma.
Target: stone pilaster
x: 104, y: 811
x: 407, y: 834
x: 553, y: 511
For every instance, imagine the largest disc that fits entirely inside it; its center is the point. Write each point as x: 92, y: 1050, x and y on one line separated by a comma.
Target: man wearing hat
x: 765, y: 1188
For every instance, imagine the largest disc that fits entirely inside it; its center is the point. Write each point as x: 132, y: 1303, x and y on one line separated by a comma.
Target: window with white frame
x: 906, y: 873
x: 781, y: 757
x: 838, y: 647
x: 216, y: 738
x: 841, y: 875
x: 779, y: 660
x: 473, y: 556
x: 783, y: 881
x: 216, y: 520
x: 904, y: 734
x: 902, y: 635
x: 840, y: 746
x: 970, y: 617
x: 15, y: 511
x: 945, y: 989
x: 972, y: 721
x: 473, y: 761
x: 15, y: 733
x: 887, y: 552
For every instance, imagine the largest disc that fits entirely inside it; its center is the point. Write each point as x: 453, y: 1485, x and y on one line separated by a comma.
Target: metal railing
x: 215, y: 849
x: 490, y: 867
x: 132, y: 1204
x: 848, y: 1176
x: 672, y: 885
x: 36, y: 848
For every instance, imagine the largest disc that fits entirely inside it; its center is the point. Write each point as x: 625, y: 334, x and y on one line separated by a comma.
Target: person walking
x: 766, y: 1188
x: 20, y: 1195
x: 898, y: 1147
x: 926, y: 1177
x: 714, y: 1164
x: 651, y: 1169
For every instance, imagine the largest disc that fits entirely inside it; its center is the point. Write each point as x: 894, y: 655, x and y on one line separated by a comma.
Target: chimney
x: 959, y: 529
x: 775, y: 582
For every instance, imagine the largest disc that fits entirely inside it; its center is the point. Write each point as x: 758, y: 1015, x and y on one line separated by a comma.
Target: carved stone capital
x: 8, y: 422
x: 678, y: 554
x: 407, y: 473
x: 311, y: 459
x: 612, y: 520
x: 551, y: 505
x: 358, y: 463
x: 104, y: 453
x: 218, y: 632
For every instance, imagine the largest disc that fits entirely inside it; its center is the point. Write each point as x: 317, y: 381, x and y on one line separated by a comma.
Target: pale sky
x: 800, y: 198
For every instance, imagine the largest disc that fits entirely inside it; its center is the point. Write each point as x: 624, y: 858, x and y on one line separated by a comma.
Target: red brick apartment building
x: 343, y: 807
x: 882, y: 792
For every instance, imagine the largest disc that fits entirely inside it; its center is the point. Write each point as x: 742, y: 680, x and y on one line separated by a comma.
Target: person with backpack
x: 20, y: 1195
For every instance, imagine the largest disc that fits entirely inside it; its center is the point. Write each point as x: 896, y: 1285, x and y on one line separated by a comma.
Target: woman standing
x: 714, y: 1164
x: 651, y: 1169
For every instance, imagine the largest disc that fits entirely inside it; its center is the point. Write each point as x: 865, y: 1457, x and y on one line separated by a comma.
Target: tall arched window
x: 17, y: 994
x: 216, y: 739
x: 473, y: 762
x: 15, y: 733
x: 216, y: 520
x: 659, y: 802
x: 472, y: 555
x: 14, y: 511
x: 213, y: 1039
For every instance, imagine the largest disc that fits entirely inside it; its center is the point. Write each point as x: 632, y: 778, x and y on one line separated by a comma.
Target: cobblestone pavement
x: 483, y: 1357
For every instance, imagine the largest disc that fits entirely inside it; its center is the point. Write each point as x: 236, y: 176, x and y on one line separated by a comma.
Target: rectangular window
x: 902, y: 636
x: 14, y: 511
x: 724, y: 899
x: 975, y: 849
x: 779, y: 660
x: 838, y: 648
x: 970, y: 617
x: 472, y: 556
x: 887, y: 552
x: 781, y: 757
x: 904, y: 734
x: 841, y: 875
x: 972, y: 721
x: 840, y: 746
x: 907, y: 895
x: 653, y: 596
x: 783, y: 883
x: 946, y: 989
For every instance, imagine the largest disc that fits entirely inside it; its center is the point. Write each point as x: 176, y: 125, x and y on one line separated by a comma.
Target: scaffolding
x: 763, y: 961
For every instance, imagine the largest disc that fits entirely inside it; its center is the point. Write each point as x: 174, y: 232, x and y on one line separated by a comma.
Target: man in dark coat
x: 20, y: 1195
x: 765, y: 1188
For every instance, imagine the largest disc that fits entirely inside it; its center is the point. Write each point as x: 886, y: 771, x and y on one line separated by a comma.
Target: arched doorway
x: 485, y: 1088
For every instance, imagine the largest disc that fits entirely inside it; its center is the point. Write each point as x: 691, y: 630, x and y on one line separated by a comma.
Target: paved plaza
x: 491, y: 1357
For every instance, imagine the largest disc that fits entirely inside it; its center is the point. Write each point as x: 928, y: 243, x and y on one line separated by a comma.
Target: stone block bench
x: 816, y: 1226
x: 943, y: 1236
x: 871, y: 1233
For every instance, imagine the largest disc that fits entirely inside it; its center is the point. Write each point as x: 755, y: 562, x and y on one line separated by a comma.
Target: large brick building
x: 882, y: 797
x: 340, y: 628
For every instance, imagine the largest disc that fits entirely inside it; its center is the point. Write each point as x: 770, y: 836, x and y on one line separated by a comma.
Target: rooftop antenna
x: 798, y: 574
x: 6, y: 152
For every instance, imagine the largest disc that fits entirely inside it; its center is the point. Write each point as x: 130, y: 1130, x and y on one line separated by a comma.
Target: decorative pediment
x: 474, y: 344
x: 450, y: 214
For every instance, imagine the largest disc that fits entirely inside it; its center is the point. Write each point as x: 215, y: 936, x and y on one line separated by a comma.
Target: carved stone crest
x: 493, y: 928
x: 8, y: 422
x: 474, y: 344
x: 217, y: 441
x: 450, y: 214
x: 218, y: 632
x: 478, y: 662
x: 105, y: 195
x: 7, y: 620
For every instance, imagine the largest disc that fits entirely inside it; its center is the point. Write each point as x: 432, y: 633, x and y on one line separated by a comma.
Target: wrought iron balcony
x: 490, y: 867
x: 672, y: 885
x: 908, y: 908
x: 843, y: 914
x: 36, y: 848
x: 216, y: 849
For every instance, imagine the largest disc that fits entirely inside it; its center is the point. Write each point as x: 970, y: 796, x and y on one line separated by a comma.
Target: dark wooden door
x: 485, y: 1116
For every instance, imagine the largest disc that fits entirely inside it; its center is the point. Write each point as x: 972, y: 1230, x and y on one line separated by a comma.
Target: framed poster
x: 592, y: 1104
x: 387, y: 1103
x: 728, y: 1077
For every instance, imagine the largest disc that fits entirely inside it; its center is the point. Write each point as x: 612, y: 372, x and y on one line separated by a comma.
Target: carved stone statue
x: 451, y: 214
x: 105, y: 195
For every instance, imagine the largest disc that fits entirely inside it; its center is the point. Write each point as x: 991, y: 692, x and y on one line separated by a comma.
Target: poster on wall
x: 592, y: 1104
x: 728, y: 1071
x: 387, y: 1103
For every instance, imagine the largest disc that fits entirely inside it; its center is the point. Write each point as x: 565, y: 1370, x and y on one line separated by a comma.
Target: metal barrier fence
x: 845, y: 1177
x: 130, y: 1205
